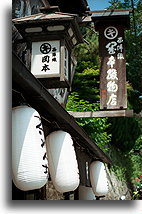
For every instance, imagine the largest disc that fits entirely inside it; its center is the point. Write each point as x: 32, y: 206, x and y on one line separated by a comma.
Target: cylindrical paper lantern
x: 29, y: 160
x: 63, y: 166
x: 86, y: 193
x: 98, y: 178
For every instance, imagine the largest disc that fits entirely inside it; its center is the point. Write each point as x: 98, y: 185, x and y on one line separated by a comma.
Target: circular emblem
x: 45, y: 48
x: 110, y: 32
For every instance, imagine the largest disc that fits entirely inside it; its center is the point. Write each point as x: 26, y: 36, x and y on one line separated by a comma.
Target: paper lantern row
x: 29, y: 159
x: 32, y: 155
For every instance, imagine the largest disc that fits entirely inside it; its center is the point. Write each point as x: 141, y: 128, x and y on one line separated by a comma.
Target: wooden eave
x: 121, y: 17
x: 39, y: 98
x: 76, y: 7
x: 42, y: 19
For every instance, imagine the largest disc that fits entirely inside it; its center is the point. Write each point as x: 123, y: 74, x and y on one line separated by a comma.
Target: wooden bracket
x: 95, y: 114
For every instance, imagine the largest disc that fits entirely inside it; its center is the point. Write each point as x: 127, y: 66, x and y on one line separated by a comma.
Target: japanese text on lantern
x: 45, y: 49
x: 114, y: 49
x: 45, y: 58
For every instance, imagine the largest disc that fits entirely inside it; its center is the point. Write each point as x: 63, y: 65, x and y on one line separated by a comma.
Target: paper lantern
x: 29, y: 160
x: 98, y: 178
x: 86, y: 193
x: 63, y: 166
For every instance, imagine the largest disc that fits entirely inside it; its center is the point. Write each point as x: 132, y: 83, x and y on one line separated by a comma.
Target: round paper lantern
x: 86, y: 193
x: 29, y: 160
x: 63, y: 166
x: 98, y: 178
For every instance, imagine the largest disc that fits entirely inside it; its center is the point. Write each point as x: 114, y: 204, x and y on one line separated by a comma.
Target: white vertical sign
x: 45, y: 61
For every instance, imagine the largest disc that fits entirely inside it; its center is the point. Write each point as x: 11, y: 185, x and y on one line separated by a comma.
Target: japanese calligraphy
x: 112, y: 77
x: 114, y: 47
x: 120, y: 56
x: 112, y: 70
x: 115, y: 51
x: 120, y: 40
x: 111, y: 47
x: 112, y: 74
x: 112, y: 86
x: 46, y: 48
x: 111, y: 32
x: 112, y: 100
x: 40, y: 128
x: 45, y: 67
x: 54, y: 55
x: 45, y: 61
x: 111, y: 61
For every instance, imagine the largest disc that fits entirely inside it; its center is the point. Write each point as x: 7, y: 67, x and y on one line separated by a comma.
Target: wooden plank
x: 112, y: 10
x: 96, y: 114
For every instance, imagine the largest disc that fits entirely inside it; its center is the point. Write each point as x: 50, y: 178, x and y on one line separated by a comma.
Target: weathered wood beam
x: 95, y: 114
x: 39, y: 98
x: 112, y: 10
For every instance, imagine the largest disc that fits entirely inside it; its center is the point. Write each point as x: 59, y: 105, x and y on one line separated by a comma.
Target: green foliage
x: 126, y: 166
x: 115, y: 4
x: 85, y: 89
x: 86, y: 83
x: 125, y: 133
x: 86, y: 79
x: 135, y: 160
x: 94, y: 127
x: 133, y: 98
x: 88, y: 52
x: 138, y: 144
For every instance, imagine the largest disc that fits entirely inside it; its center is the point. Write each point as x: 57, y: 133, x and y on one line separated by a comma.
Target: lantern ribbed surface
x: 29, y: 159
x: 63, y: 166
x: 98, y: 178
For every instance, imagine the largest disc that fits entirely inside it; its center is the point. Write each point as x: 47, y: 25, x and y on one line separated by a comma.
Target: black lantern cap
x: 42, y: 21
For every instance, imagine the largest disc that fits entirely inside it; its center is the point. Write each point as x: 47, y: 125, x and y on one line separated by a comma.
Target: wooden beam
x: 39, y: 98
x: 95, y: 114
x: 112, y: 10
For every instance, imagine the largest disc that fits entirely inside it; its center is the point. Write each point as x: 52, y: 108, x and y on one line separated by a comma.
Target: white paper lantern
x: 29, y: 160
x: 62, y: 161
x: 86, y: 193
x: 98, y: 178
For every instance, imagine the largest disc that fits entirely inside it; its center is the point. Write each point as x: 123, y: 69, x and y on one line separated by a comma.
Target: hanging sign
x: 111, y: 25
x: 113, y: 68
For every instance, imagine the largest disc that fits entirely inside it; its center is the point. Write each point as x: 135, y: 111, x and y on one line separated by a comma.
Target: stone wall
x: 52, y: 193
x: 117, y: 188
